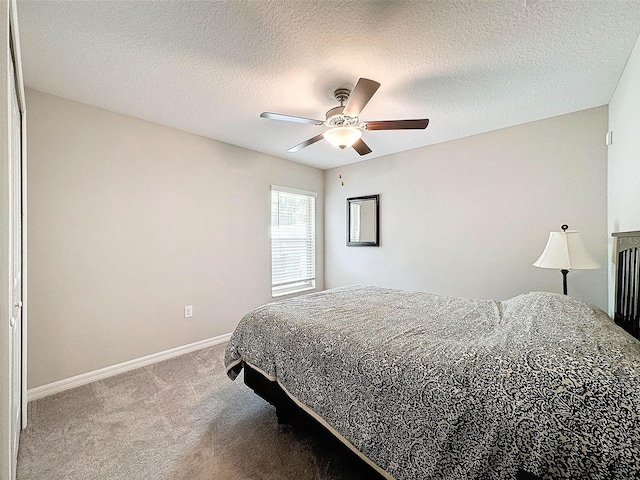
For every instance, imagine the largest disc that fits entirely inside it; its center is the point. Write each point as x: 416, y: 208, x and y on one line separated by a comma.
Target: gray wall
x: 624, y: 156
x: 469, y: 217
x: 129, y: 222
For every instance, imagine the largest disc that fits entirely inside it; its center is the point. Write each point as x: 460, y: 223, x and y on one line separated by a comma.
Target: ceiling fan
x: 345, y: 128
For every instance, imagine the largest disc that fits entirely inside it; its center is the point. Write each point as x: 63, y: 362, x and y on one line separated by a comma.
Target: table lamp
x: 566, y: 251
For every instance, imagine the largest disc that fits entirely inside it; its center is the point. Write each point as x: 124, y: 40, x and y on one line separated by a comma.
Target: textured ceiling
x: 211, y: 67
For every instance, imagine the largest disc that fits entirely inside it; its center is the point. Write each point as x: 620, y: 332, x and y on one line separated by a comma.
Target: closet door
x: 15, y: 266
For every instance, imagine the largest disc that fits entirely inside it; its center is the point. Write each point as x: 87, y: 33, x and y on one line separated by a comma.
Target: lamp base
x: 564, y: 281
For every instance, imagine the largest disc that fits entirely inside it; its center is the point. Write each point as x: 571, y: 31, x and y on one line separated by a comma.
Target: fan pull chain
x: 340, y: 174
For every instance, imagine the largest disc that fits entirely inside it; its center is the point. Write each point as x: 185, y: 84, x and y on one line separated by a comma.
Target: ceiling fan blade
x: 361, y: 147
x: 306, y: 143
x: 290, y: 118
x: 417, y: 124
x: 362, y: 93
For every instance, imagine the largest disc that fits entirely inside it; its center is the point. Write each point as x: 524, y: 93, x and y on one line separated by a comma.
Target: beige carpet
x: 181, y: 419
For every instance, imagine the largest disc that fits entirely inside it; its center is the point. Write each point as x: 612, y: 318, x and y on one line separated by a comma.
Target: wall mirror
x: 363, y: 221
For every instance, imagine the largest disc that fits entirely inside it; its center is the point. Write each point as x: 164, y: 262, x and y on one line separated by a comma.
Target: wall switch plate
x: 188, y: 311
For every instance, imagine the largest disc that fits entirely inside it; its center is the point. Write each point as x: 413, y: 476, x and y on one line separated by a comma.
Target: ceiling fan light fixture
x: 342, y: 137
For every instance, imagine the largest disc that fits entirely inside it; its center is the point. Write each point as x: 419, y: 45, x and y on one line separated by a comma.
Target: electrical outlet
x: 188, y: 311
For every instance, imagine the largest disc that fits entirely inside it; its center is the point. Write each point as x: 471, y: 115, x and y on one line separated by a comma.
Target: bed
x: 422, y: 386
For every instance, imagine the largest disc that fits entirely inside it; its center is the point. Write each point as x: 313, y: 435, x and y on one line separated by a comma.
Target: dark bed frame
x: 627, y: 315
x: 627, y: 307
x: 286, y: 409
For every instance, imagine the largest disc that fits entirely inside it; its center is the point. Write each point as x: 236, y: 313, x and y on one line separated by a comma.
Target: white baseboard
x: 82, y: 379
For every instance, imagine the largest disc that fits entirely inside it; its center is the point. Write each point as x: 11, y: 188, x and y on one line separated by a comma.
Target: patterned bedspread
x: 432, y: 387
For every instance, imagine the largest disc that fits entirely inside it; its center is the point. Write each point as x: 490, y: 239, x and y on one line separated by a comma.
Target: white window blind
x: 293, y: 240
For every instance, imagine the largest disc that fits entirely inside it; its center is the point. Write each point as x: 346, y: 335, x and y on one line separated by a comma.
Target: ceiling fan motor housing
x: 335, y: 117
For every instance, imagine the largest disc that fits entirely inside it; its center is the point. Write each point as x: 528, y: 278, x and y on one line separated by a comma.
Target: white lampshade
x: 566, y: 251
x: 342, y: 137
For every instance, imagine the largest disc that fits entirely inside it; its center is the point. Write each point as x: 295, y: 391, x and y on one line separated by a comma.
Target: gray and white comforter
x: 432, y: 387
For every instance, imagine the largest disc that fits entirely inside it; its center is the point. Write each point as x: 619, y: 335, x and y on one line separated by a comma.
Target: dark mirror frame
x: 375, y: 219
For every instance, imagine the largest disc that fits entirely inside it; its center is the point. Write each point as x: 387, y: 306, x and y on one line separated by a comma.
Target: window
x: 293, y: 241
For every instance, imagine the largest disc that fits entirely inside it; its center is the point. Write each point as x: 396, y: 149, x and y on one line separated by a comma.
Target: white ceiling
x: 211, y: 67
